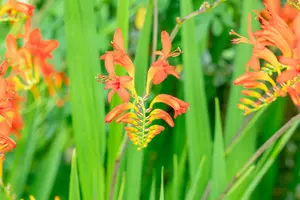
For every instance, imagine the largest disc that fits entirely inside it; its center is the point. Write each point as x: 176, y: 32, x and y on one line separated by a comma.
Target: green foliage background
x: 180, y: 163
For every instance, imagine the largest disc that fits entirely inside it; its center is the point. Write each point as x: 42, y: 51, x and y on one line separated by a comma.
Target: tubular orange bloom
x: 39, y: 47
x: 159, y: 71
x: 167, y: 45
x: 118, y: 84
x: 119, y: 110
x: 12, y: 8
x: 280, y: 74
x: 178, y: 105
x: 288, y: 13
x: 15, y: 56
x: 6, y: 144
x: 128, y: 118
x: 161, y: 114
x: 161, y: 68
x: 120, y: 56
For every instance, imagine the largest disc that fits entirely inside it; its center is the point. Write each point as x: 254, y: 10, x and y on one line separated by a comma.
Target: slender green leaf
x: 197, y: 121
x: 121, y: 193
x: 162, y: 194
x: 234, y: 117
x: 270, y: 160
x: 153, y: 188
x: 74, y: 191
x: 86, y: 94
x: 192, y: 192
x: 219, y: 178
x: 46, y: 176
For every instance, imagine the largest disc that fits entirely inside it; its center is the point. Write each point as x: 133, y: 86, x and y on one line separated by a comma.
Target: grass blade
x: 85, y: 93
x: 74, y: 192
x: 197, y: 117
x: 162, y: 194
x: 46, y: 176
x: 219, y: 179
x: 192, y: 192
x: 271, y: 159
x: 153, y: 188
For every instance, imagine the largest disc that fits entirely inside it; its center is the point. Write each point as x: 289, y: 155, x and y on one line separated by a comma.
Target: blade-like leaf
x: 153, y: 188
x: 74, y: 191
x: 197, y: 121
x: 219, y: 178
x: 162, y: 194
x: 46, y: 176
x: 192, y: 192
x: 86, y: 94
x: 270, y: 160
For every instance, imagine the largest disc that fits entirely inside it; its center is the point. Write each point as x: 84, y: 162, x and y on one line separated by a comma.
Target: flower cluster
x: 134, y: 113
x: 277, y: 45
x: 21, y: 67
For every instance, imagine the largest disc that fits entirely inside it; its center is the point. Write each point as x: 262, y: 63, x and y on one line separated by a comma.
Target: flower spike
x: 135, y: 115
x: 280, y: 74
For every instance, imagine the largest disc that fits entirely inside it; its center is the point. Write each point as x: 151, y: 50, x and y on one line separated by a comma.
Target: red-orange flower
x: 6, y: 144
x: 161, y: 68
x: 280, y: 74
x: 161, y: 114
x: 12, y: 8
x: 178, y: 105
x: 288, y: 13
x: 117, y: 84
x: 118, y: 110
x: 120, y: 56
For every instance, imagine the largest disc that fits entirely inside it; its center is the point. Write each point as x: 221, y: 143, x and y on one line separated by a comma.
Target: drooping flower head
x: 133, y: 112
x: 279, y: 74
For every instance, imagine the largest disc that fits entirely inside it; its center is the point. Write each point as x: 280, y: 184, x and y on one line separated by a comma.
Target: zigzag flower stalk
x: 280, y: 74
x: 134, y: 111
x: 21, y: 69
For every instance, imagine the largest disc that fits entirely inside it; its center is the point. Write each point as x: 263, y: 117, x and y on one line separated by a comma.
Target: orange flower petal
x: 118, y: 110
x: 6, y: 144
x: 109, y: 64
x: 286, y: 75
x: 178, y: 105
x: 118, y: 39
x: 161, y: 114
x: 166, y: 43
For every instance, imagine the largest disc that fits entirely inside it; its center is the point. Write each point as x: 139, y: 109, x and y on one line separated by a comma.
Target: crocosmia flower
x: 25, y: 60
x: 279, y: 74
x: 133, y: 112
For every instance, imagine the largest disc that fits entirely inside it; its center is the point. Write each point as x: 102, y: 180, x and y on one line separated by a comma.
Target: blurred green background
x: 183, y: 162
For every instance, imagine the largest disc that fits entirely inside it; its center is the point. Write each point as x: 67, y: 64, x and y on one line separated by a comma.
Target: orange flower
x: 161, y: 114
x: 12, y: 8
x: 118, y: 84
x: 15, y: 56
x: 119, y: 110
x: 6, y: 144
x: 39, y: 47
x: 274, y: 33
x: 178, y: 105
x: 119, y: 55
x: 288, y: 13
x: 159, y: 71
x: 161, y: 68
